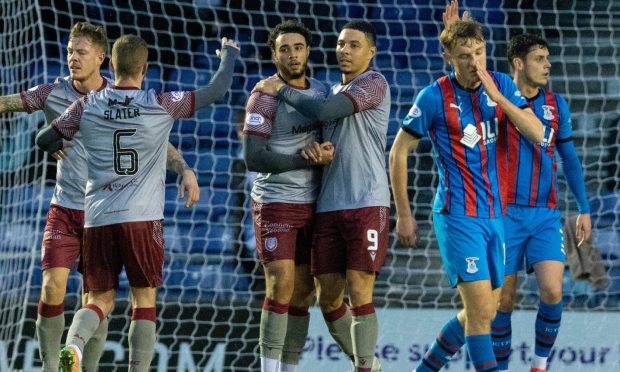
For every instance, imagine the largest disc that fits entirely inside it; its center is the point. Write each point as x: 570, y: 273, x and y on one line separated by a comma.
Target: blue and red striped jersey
x: 464, y: 127
x: 532, y: 174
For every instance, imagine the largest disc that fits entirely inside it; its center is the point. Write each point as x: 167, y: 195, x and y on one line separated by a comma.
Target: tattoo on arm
x: 11, y: 103
x: 175, y: 161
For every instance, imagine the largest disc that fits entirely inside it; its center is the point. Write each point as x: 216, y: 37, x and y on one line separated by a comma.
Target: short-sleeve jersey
x: 356, y: 177
x: 464, y: 127
x: 532, y: 175
x: 125, y: 134
x: 54, y: 99
x: 287, y: 132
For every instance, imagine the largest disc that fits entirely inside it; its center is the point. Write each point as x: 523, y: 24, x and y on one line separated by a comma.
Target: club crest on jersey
x: 471, y: 265
x: 547, y: 113
x: 470, y: 136
x: 415, y: 111
x: 490, y: 102
x: 271, y: 244
x: 254, y: 119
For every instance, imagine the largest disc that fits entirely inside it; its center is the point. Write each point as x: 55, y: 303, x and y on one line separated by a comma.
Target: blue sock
x: 449, y: 340
x: 547, y: 327
x: 501, y: 332
x: 480, y: 349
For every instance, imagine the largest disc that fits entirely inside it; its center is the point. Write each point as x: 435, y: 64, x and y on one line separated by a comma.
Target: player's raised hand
x: 227, y: 42
x: 407, y: 230
x: 584, y: 228
x: 269, y: 86
x: 189, y: 184
x: 451, y: 14
x: 488, y: 84
x: 62, y: 154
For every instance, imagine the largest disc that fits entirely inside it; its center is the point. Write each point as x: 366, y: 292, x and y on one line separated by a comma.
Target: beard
x: 291, y: 75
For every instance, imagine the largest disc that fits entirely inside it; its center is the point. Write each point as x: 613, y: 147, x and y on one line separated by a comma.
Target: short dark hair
x: 367, y: 28
x: 291, y: 26
x: 96, y: 34
x: 469, y: 29
x: 519, y: 46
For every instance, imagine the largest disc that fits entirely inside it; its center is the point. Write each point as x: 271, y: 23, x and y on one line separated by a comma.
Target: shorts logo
x: 254, y: 119
x: 271, y: 244
x: 471, y: 265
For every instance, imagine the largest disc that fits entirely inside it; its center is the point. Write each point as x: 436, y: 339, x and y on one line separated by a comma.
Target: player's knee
x: 551, y: 295
x: 53, y: 291
x: 506, y: 302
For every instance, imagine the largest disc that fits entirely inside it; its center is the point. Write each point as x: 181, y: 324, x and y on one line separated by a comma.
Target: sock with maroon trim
x: 273, y: 322
x: 364, y: 332
x: 142, y: 339
x: 339, y: 326
x: 49, y: 326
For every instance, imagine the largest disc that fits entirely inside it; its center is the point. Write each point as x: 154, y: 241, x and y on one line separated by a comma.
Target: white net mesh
x: 213, y: 287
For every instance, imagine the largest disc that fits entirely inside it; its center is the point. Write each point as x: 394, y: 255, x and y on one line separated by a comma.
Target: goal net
x: 209, y: 305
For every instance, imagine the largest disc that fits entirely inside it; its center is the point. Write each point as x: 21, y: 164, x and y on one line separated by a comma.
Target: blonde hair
x: 96, y: 34
x: 461, y: 30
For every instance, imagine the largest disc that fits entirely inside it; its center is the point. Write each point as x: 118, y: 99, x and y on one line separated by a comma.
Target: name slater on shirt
x: 121, y: 113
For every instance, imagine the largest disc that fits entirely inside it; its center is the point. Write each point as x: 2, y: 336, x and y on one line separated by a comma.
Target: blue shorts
x: 534, y: 234
x: 471, y: 248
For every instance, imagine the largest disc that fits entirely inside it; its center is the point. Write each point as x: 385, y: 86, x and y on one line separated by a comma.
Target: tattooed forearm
x: 11, y: 103
x: 175, y: 161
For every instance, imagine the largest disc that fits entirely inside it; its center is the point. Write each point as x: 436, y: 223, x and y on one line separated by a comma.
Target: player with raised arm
x: 464, y: 114
x: 124, y: 132
x: 532, y: 223
x: 352, y: 223
x: 283, y: 198
x: 62, y: 239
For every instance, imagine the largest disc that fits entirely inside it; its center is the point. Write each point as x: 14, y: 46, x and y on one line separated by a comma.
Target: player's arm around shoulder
x: 65, y: 126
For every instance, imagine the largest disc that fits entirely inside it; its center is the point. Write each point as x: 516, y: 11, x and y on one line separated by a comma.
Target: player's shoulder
x: 373, y: 76
x: 260, y: 99
x: 318, y: 85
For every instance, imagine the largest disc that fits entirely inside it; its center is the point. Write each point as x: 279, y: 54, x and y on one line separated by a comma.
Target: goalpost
x: 209, y: 306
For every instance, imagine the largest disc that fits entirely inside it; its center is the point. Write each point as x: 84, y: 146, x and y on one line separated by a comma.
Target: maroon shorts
x: 354, y: 239
x: 62, y: 238
x: 138, y: 246
x: 283, y: 231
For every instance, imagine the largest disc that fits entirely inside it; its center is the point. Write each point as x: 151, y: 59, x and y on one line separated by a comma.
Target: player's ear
x: 373, y: 51
x: 446, y: 57
x: 517, y: 63
x: 145, y: 68
x: 112, y: 67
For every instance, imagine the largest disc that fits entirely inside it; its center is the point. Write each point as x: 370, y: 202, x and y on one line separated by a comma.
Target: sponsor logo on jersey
x: 271, y: 244
x: 114, y: 102
x: 254, y: 119
x: 547, y: 113
x: 177, y: 96
x: 301, y: 129
x: 471, y: 265
x: 415, y: 111
x: 470, y: 136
